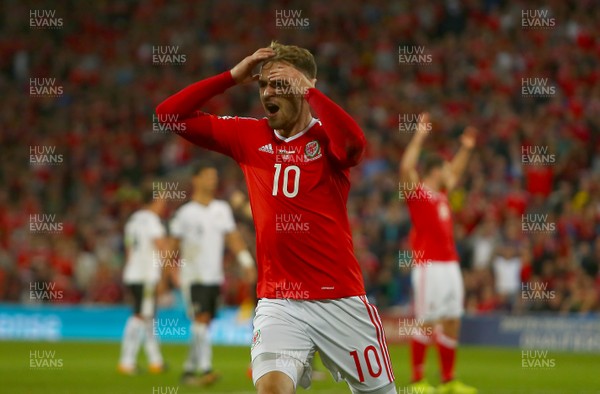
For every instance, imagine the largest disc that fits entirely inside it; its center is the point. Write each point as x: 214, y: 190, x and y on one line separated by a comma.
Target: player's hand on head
x: 242, y: 72
x: 288, y: 74
x: 468, y: 138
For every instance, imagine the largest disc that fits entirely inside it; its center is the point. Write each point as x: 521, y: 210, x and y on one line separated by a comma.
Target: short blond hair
x: 300, y: 58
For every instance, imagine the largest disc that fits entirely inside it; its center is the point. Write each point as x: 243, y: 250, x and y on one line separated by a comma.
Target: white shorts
x: 347, y: 332
x: 438, y: 291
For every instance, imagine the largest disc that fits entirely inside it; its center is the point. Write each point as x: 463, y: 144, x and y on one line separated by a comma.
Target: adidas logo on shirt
x: 266, y: 148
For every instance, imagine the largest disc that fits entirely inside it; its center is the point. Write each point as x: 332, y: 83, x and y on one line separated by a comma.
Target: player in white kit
x: 203, y: 227
x: 145, y: 237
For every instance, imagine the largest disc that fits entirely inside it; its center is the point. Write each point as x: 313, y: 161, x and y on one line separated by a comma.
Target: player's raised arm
x: 408, y: 165
x: 346, y: 140
x: 186, y: 102
x: 183, y: 105
x: 459, y: 162
x: 181, y: 110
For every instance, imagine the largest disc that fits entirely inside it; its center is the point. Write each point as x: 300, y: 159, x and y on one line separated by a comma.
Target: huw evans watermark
x: 168, y: 259
x: 537, y: 154
x: 292, y: 154
x: 291, y: 19
x: 167, y: 123
x: 410, y: 327
x: 45, y: 19
x: 44, y: 291
x: 537, y: 87
x: 168, y: 191
x: 169, y: 327
x: 414, y: 191
x: 536, y: 291
x: 44, y: 87
x: 409, y: 123
x: 412, y: 258
x: 537, y: 19
x: 44, y: 359
x: 285, y: 289
x: 44, y: 155
x: 413, y: 55
x: 537, y: 223
x: 287, y: 358
x: 44, y: 223
x: 291, y: 223
x: 167, y: 55
x: 537, y: 359
x: 290, y: 87
x: 165, y: 390
x: 412, y: 390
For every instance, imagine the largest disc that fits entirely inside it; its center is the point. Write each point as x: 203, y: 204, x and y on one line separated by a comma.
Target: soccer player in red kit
x: 310, y: 286
x: 436, y: 277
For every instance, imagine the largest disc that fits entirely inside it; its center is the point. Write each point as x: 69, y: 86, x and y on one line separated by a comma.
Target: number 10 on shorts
x: 367, y: 360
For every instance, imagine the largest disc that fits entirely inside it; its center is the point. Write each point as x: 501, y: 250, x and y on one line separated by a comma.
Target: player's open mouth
x: 272, y: 109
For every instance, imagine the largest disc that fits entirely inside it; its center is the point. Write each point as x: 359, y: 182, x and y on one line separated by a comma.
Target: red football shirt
x: 298, y: 188
x: 431, y: 235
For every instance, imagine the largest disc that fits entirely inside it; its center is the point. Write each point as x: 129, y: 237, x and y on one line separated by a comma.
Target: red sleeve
x: 346, y: 140
x: 181, y: 112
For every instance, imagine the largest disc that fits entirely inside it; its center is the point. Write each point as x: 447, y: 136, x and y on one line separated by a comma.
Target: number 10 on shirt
x: 288, y: 172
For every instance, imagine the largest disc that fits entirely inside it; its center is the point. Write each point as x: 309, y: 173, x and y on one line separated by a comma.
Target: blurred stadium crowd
x: 103, y: 126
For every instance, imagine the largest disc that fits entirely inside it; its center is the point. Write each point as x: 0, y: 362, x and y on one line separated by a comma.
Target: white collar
x: 300, y: 134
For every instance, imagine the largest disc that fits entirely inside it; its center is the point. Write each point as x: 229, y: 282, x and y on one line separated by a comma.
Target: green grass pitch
x: 81, y: 367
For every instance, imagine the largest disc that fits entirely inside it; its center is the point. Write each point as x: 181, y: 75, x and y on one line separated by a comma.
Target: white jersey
x: 141, y: 230
x: 508, y: 275
x: 201, y: 230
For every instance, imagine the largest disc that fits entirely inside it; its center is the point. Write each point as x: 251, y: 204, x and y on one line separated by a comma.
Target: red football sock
x: 418, y: 347
x: 447, y: 350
